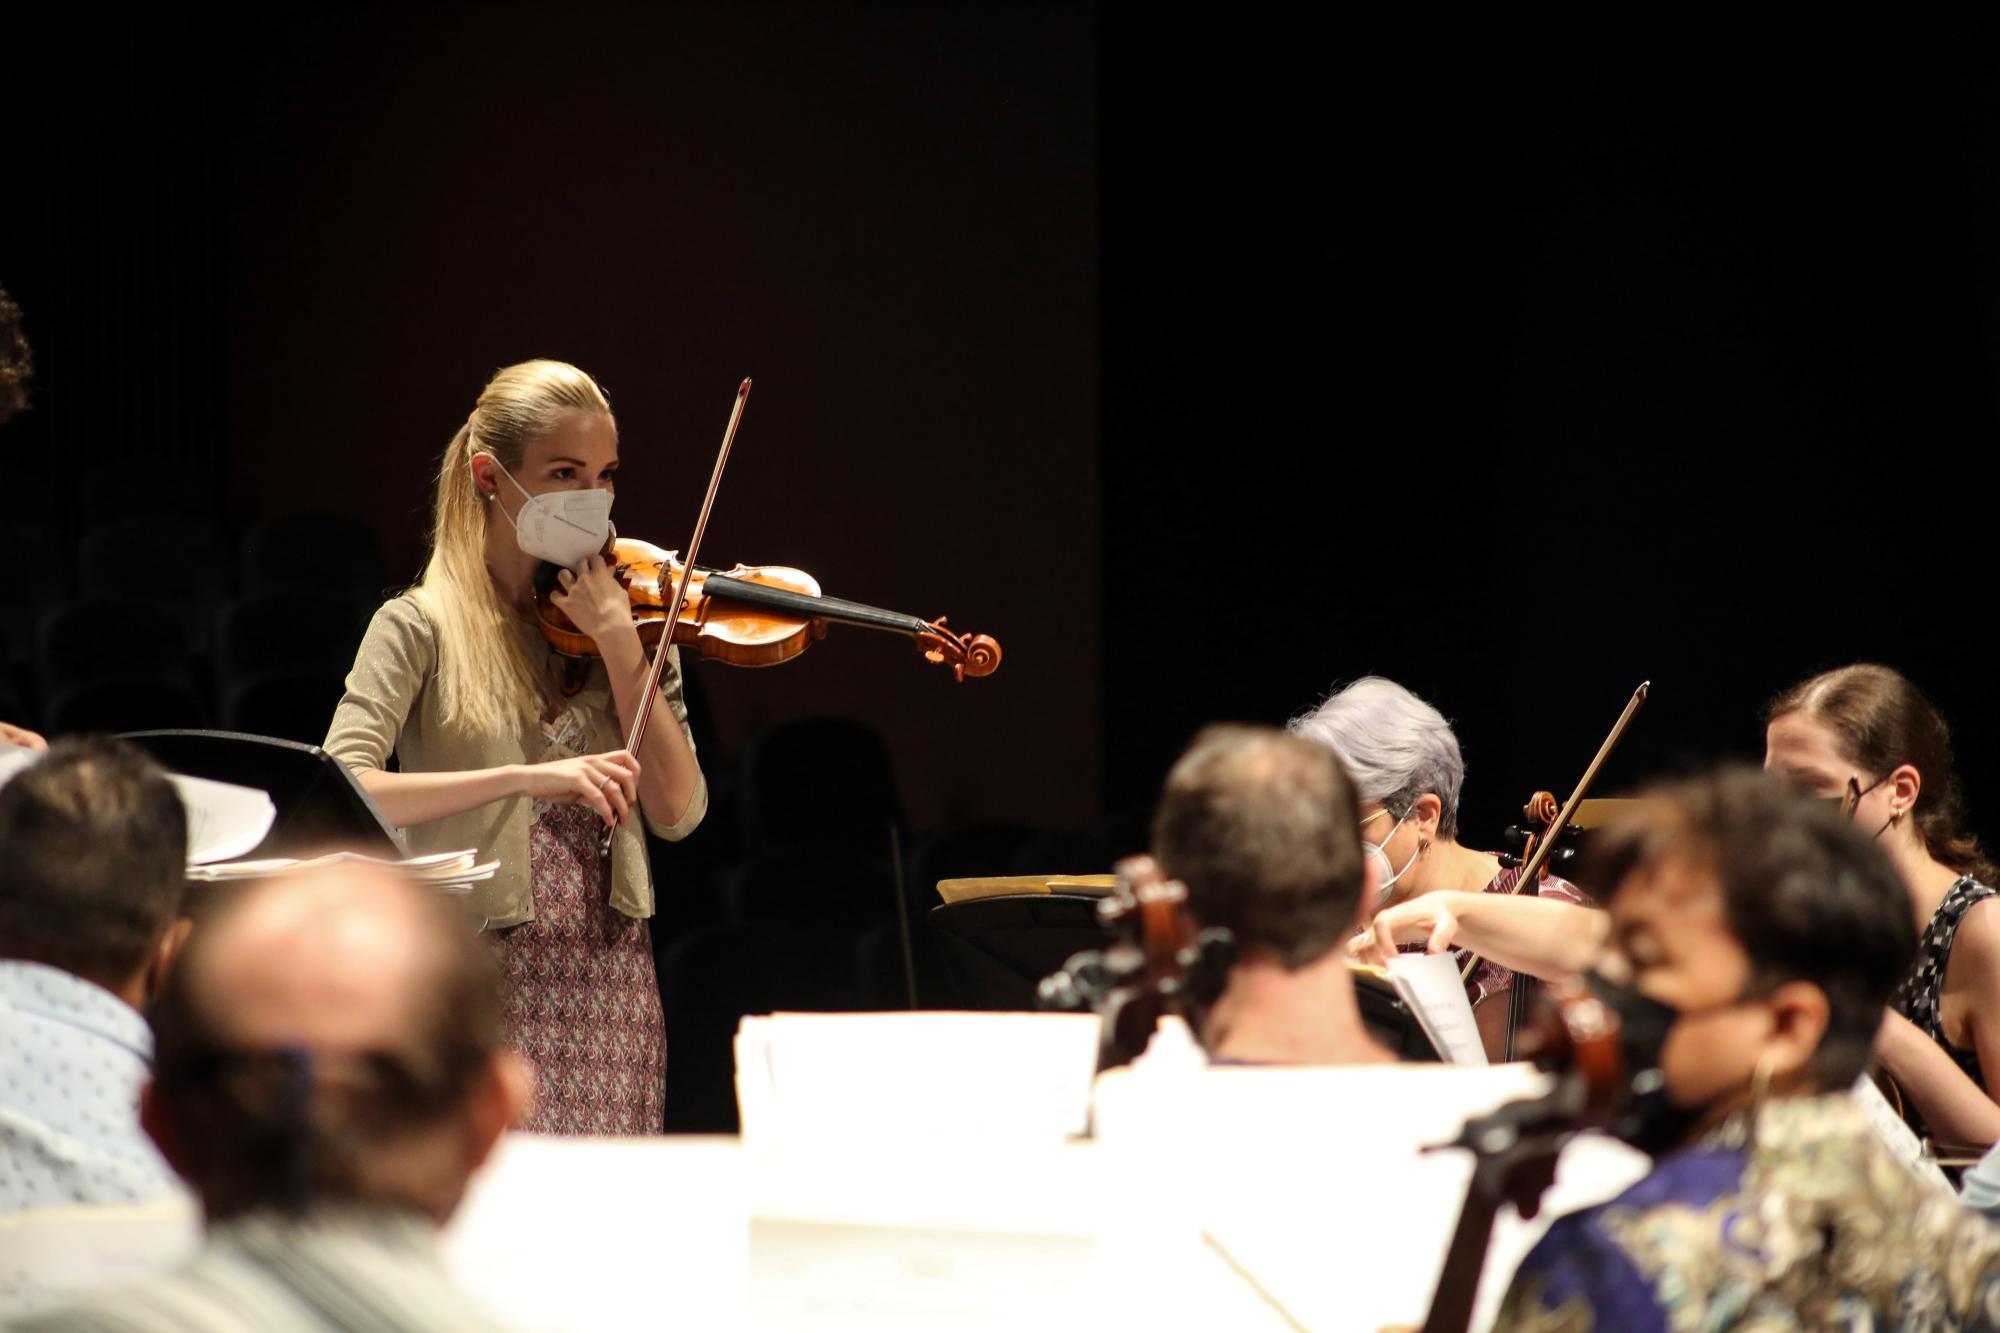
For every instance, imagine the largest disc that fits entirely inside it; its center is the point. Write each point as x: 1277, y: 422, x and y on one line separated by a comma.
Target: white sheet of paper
x: 916, y: 1074
x: 659, y: 1225
x: 1314, y: 1182
x: 224, y: 820
x: 1429, y: 984
x: 1895, y: 1131
x: 14, y: 758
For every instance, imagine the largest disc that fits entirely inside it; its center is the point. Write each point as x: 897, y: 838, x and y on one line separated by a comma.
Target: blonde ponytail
x: 487, y: 679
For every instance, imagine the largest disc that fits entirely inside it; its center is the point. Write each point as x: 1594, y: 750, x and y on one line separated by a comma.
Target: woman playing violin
x: 1864, y: 737
x: 454, y: 679
x: 1407, y: 771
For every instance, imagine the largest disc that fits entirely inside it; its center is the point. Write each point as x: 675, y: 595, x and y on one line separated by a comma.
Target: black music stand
x: 321, y: 807
x: 998, y: 949
x: 1390, y: 1021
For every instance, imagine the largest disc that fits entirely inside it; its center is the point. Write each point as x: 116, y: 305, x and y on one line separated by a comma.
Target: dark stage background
x: 1524, y: 363
x: 1205, y: 362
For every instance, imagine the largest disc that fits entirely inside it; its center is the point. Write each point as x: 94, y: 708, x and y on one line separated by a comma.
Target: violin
x: 685, y: 617
x: 1158, y: 964
x: 1536, y: 853
x: 748, y: 616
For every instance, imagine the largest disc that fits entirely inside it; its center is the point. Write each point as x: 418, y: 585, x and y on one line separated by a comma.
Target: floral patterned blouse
x: 1795, y: 1218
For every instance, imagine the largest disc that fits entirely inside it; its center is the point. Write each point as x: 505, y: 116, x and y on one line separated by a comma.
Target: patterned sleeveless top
x: 1917, y: 998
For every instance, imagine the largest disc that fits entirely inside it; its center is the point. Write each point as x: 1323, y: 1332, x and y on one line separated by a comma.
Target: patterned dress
x: 1795, y: 1217
x: 581, y: 1000
x: 1918, y: 999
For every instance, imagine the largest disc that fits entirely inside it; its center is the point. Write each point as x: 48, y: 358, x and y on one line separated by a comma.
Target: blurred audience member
x: 330, y: 1074
x: 91, y: 885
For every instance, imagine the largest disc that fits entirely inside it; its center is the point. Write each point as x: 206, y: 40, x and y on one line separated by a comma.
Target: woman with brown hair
x: 1865, y: 737
x: 495, y: 753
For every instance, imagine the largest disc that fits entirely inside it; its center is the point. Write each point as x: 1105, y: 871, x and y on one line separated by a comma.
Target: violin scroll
x: 1158, y: 963
x: 967, y: 655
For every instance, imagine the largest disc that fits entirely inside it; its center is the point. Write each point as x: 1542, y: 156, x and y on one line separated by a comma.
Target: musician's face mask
x: 1386, y: 874
x: 1651, y: 1121
x: 1676, y: 975
x: 561, y: 527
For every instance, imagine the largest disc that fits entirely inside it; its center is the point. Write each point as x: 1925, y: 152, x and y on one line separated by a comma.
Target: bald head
x: 332, y: 1035
x: 1262, y: 827
x: 335, y: 960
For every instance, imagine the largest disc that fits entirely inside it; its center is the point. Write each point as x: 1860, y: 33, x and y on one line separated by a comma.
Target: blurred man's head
x: 93, y: 860
x: 1772, y: 931
x: 333, y: 1037
x: 1261, y: 827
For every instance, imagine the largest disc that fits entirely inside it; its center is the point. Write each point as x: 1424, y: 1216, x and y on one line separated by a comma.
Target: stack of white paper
x: 453, y: 872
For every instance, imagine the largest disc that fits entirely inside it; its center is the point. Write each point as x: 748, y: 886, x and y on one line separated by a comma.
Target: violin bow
x: 638, y: 732
x: 1531, y: 873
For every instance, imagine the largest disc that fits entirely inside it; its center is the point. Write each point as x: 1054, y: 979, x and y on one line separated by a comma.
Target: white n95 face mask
x: 1386, y: 873
x: 562, y: 527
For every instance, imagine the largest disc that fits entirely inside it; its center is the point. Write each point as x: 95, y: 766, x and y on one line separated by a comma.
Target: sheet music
x: 223, y: 819
x: 1895, y: 1131
x: 1429, y: 984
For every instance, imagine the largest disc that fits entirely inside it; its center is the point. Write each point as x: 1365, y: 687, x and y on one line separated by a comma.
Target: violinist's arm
x: 604, y: 782
x: 671, y: 792
x: 1539, y: 936
x: 1957, y: 1110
